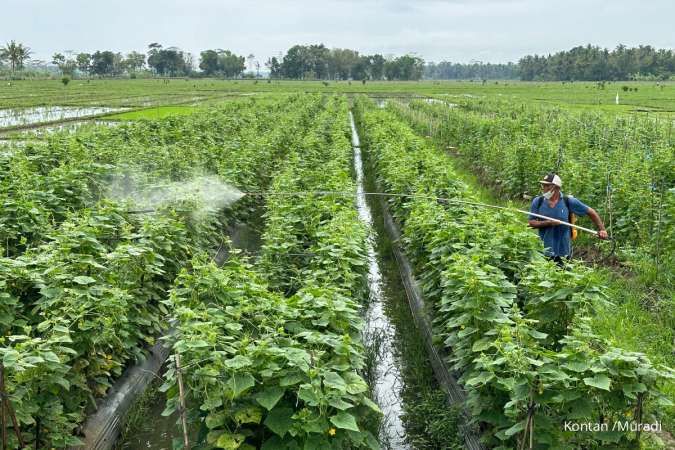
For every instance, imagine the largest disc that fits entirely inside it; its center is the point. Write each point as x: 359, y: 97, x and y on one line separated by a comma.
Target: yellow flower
x: 331, y: 431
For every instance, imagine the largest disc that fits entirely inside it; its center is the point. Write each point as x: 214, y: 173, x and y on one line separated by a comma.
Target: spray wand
x: 430, y: 197
x: 385, y: 194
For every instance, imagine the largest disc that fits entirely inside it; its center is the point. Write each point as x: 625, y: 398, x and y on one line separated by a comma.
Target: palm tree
x: 16, y: 54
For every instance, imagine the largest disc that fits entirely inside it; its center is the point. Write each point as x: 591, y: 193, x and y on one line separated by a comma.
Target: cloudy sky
x: 453, y: 30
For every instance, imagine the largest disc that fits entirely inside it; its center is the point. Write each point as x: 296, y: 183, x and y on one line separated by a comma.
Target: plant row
x: 270, y: 352
x: 515, y: 326
x: 43, y: 183
x: 82, y: 301
x: 622, y: 166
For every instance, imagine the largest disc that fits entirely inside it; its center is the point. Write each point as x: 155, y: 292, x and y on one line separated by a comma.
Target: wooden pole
x: 181, y: 394
x: 3, y: 414
x: 6, y: 407
x: 15, y: 423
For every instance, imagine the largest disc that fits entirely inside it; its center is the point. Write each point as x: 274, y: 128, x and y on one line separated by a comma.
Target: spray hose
x: 429, y: 197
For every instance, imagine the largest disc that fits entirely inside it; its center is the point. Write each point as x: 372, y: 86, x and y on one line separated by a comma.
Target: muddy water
x: 379, y: 331
x: 39, y: 114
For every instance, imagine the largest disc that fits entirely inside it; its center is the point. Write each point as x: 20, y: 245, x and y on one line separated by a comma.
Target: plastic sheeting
x: 102, y: 428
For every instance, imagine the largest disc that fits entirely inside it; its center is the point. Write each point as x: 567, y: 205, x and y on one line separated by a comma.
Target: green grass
x: 658, y: 97
x: 158, y: 112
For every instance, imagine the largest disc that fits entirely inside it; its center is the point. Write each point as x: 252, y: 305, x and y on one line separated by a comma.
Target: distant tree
x: 392, y: 70
x: 341, y: 63
x: 83, y: 61
x: 361, y: 68
x: 134, y: 62
x: 16, y: 54
x: 67, y: 66
x: 593, y: 63
x: 296, y: 62
x: 274, y: 67
x: 190, y: 65
x: 231, y: 65
x: 154, y: 58
x: 411, y: 67
x: 103, y: 63
x: 170, y: 61
x: 208, y: 62
x: 446, y: 70
x: 377, y: 66
x: 58, y: 59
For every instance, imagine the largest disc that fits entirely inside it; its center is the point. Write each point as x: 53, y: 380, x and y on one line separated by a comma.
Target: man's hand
x: 602, y: 234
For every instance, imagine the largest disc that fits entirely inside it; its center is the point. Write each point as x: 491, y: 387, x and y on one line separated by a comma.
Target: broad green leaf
x: 338, y: 403
x: 481, y: 378
x: 306, y: 393
x: 537, y: 335
x: 355, y: 384
x: 578, y: 366
x: 10, y: 358
x: 196, y: 344
x: 84, y: 280
x: 290, y: 380
x: 334, y: 381
x: 238, y: 362
x: 371, y: 404
x: 240, y: 382
x: 600, y: 381
x: 372, y: 441
x: 345, y: 421
x: 215, y: 419
x: 230, y: 441
x: 279, y: 420
x: 269, y: 397
x: 518, y: 427
x: 249, y: 414
x: 212, y: 402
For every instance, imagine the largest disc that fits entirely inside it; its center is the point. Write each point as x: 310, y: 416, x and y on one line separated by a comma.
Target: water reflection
x: 40, y: 114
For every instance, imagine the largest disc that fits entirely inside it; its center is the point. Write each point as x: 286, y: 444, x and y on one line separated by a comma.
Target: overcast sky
x: 453, y: 30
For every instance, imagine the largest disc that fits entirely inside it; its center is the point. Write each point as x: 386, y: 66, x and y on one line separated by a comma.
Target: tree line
x: 301, y: 62
x: 592, y: 63
x: 169, y: 61
x: 446, y: 70
x: 317, y: 62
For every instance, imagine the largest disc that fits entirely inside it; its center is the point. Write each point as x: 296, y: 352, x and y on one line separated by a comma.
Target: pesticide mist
x: 201, y: 194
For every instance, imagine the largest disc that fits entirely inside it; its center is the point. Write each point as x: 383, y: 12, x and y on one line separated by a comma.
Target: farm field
x: 648, y: 96
x: 115, y: 238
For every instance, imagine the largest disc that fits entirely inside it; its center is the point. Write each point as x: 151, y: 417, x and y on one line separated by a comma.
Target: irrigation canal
x: 379, y: 330
x: 390, y: 335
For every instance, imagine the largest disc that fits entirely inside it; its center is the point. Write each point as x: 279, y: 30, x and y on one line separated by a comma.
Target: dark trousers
x: 559, y: 260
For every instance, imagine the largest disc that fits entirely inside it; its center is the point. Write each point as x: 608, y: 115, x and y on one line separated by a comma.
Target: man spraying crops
x: 552, y: 203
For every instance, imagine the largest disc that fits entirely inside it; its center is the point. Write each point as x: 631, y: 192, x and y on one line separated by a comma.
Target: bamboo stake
x: 3, y: 415
x: 15, y: 423
x: 638, y: 416
x: 181, y: 394
x: 7, y: 409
